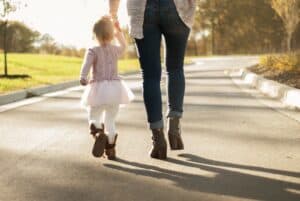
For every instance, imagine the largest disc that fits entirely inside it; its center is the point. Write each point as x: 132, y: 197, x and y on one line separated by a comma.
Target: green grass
x: 46, y: 69
x: 128, y: 65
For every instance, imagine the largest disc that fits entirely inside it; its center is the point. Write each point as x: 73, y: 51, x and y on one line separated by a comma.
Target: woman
x: 149, y: 20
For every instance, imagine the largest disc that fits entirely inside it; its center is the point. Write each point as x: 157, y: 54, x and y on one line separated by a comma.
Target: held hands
x: 116, y: 22
x: 117, y: 26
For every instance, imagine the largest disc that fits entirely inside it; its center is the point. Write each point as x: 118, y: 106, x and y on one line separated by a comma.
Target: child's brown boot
x: 110, y: 149
x: 100, y: 140
x: 94, y: 130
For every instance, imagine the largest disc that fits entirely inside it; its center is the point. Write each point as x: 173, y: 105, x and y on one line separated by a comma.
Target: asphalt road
x: 236, y: 148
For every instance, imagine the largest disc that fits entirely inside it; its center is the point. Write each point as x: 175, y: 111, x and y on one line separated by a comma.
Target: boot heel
x: 159, y: 148
x: 176, y: 144
x: 110, y: 149
x: 162, y: 154
x: 174, y: 134
x: 173, y: 142
x: 99, y: 145
x: 159, y: 154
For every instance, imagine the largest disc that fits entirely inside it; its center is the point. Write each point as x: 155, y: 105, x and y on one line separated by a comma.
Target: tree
x: 243, y: 26
x: 197, y: 34
x: 47, y: 44
x: 20, y: 38
x: 210, y: 12
x: 289, y: 11
x: 7, y: 7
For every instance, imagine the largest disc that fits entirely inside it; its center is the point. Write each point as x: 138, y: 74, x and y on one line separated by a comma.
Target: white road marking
x: 33, y: 100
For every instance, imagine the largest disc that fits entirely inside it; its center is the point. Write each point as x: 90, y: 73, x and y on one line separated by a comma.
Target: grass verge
x: 283, y: 68
x: 31, y: 70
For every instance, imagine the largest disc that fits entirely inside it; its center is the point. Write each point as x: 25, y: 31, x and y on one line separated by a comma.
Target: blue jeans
x: 161, y: 19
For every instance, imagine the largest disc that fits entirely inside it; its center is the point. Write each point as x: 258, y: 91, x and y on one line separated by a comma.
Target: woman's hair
x: 104, y: 29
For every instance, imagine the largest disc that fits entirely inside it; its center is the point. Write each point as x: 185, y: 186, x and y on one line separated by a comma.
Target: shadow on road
x: 226, y: 182
x: 202, y: 160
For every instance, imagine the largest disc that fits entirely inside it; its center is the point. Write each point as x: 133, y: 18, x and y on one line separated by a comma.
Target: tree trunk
x: 5, y: 47
x: 196, y: 47
x: 212, y: 37
x: 289, y: 41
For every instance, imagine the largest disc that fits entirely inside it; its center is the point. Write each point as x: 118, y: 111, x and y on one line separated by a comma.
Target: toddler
x: 105, y: 91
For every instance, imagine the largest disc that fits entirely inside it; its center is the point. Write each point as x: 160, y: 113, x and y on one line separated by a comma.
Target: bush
x: 282, y: 62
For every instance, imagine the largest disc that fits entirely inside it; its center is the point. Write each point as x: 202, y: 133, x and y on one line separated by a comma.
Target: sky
x: 69, y: 22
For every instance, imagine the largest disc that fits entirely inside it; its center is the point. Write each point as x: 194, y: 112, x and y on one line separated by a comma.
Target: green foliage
x: 289, y: 11
x: 243, y: 26
x: 6, y: 7
x: 20, y: 38
x: 282, y: 62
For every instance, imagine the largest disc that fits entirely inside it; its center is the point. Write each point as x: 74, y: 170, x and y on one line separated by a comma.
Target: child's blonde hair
x: 104, y: 29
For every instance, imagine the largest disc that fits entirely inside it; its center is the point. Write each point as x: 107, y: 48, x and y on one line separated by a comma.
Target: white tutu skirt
x: 106, y: 92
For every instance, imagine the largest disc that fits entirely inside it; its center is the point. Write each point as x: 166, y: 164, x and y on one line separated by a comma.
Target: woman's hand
x: 83, y: 82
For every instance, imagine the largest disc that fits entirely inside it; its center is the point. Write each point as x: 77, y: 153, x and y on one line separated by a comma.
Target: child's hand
x: 117, y: 26
x: 83, y: 82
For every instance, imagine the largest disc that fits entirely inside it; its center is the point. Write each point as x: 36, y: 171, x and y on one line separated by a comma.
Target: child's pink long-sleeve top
x: 103, y: 60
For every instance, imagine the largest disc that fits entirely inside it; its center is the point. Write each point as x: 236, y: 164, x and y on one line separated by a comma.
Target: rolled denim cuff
x: 176, y: 114
x: 157, y: 125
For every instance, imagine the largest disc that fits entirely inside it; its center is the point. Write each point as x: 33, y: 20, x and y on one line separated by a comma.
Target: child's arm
x: 86, y: 66
x: 121, y: 40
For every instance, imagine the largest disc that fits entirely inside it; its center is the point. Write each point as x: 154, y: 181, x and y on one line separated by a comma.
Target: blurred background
x: 221, y: 27
x: 64, y: 28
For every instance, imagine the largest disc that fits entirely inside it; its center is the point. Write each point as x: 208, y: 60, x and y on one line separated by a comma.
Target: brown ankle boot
x: 94, y: 130
x: 100, y: 140
x: 159, y: 147
x: 110, y: 149
x: 174, y: 134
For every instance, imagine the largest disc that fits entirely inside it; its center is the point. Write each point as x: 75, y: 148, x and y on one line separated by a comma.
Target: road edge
x: 36, y: 91
x: 289, y: 96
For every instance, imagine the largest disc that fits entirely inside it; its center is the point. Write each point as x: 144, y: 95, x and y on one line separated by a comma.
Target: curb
x: 38, y: 91
x: 33, y: 92
x: 287, y: 95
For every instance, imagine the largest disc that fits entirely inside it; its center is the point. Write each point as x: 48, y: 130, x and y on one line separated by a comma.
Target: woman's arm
x: 113, y: 8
